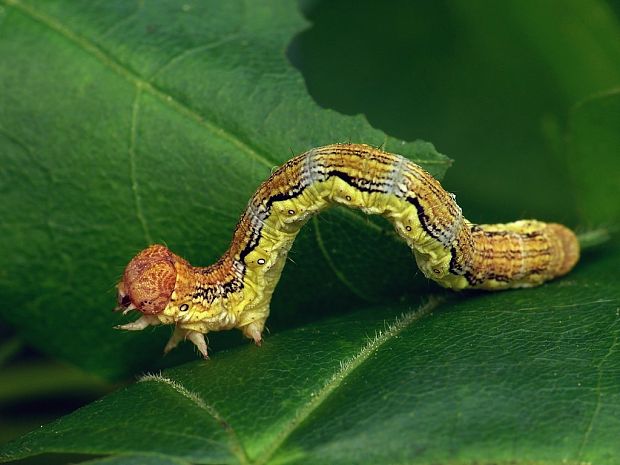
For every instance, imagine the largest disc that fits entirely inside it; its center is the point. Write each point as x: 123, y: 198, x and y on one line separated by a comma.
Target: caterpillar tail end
x: 569, y: 244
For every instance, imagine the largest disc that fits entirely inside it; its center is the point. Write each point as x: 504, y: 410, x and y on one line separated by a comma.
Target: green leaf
x: 515, y: 377
x: 125, y: 124
x: 521, y: 377
x: 595, y: 145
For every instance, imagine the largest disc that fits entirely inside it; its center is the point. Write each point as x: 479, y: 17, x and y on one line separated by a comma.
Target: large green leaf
x: 518, y: 377
x: 124, y: 124
x: 528, y: 376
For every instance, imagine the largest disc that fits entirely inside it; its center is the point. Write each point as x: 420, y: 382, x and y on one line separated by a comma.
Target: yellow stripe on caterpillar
x: 236, y: 291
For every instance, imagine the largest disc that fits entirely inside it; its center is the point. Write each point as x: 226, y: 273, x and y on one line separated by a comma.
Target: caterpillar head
x: 148, y: 281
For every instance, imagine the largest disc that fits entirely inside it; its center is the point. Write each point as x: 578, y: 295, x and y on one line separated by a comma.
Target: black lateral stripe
x: 357, y: 182
x: 472, y: 279
x: 497, y: 277
x: 209, y: 294
x: 295, y: 191
x: 423, y: 217
x: 360, y: 184
x: 458, y: 270
x: 455, y: 268
x: 529, y: 235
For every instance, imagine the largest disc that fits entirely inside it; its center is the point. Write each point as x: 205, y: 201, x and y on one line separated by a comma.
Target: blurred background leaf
x: 490, y: 83
x: 594, y: 146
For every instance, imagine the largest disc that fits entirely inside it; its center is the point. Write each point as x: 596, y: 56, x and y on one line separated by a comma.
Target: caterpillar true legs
x: 235, y: 291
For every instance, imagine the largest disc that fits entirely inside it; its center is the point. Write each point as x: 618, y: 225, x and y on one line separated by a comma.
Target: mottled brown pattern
x: 149, y: 279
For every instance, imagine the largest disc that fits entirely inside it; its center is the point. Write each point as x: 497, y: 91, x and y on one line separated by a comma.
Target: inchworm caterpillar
x: 235, y: 291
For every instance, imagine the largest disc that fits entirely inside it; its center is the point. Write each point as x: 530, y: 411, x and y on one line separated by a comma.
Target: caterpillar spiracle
x: 235, y: 291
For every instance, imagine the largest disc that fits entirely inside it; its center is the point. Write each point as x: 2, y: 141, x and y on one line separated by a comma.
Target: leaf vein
x: 135, y: 110
x: 130, y: 17
x: 599, y: 394
x: 330, y: 262
x: 190, y: 51
x: 347, y: 366
x: 130, y: 75
x: 236, y: 446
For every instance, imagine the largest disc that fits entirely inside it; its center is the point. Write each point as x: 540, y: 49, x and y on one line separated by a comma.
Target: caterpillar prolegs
x: 235, y: 291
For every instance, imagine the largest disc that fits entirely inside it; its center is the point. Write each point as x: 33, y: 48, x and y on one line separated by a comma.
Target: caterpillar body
x: 235, y: 292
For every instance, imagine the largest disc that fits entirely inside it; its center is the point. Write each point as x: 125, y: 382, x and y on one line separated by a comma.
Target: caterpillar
x: 235, y: 292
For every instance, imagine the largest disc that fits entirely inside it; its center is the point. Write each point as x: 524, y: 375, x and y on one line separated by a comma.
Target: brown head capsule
x: 148, y: 281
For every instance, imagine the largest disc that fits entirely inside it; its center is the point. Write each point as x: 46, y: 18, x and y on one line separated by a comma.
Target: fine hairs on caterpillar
x: 235, y: 291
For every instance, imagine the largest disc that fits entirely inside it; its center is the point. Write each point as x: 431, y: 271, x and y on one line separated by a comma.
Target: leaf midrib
x: 235, y: 446
x: 314, y: 402
x: 347, y: 367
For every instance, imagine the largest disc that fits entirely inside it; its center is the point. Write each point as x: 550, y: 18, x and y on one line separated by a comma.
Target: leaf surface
x: 518, y: 377
x: 123, y: 125
x: 131, y: 123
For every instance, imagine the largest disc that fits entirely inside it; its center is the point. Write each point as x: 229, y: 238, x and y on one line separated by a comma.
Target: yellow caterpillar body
x: 235, y: 292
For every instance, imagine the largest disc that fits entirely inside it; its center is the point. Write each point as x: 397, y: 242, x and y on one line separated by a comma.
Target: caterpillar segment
x: 235, y: 292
